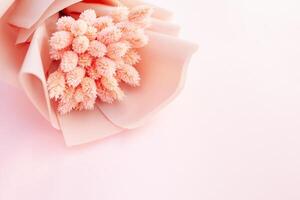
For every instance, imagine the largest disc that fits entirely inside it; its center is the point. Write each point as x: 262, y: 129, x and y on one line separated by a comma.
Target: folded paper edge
x: 26, y: 81
x: 92, y: 133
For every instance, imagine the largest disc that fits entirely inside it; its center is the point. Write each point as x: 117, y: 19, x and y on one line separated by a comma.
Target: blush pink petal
x: 32, y: 74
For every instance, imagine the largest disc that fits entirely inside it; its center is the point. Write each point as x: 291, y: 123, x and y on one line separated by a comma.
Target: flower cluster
x: 96, y: 54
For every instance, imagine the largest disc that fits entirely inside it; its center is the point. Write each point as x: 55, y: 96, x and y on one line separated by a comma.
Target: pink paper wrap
x: 25, y: 27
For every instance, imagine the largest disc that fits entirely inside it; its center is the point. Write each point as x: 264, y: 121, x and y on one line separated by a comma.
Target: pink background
x: 232, y: 134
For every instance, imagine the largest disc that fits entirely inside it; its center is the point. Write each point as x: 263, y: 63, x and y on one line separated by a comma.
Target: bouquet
x: 93, y: 68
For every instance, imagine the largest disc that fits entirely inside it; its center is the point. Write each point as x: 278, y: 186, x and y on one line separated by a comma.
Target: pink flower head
x: 109, y: 96
x: 91, y: 33
x: 89, y: 90
x: 140, y: 14
x: 75, y: 76
x: 65, y: 23
x: 89, y: 87
x: 131, y: 57
x: 56, y: 85
x: 89, y: 16
x: 69, y: 61
x: 60, y: 40
x: 127, y: 27
x: 109, y: 83
x: 79, y: 95
x: 120, y: 14
x: 103, y: 22
x: 128, y: 74
x: 137, y: 39
x: 117, y: 50
x: 105, y: 67
x: 84, y: 60
x: 88, y: 103
x: 96, y: 53
x: 97, y: 49
x: 80, y: 44
x: 55, y: 54
x: 79, y: 27
x: 93, y: 72
x: 67, y: 103
x: 109, y: 35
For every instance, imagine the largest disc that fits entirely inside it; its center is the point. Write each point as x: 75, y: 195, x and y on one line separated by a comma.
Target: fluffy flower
x: 89, y: 90
x: 55, y: 54
x: 97, y: 49
x: 105, y: 95
x: 144, y: 23
x: 105, y: 67
x: 109, y: 35
x: 56, y: 85
x: 69, y: 61
x: 131, y: 57
x: 120, y: 14
x: 89, y: 87
x: 84, y: 102
x: 109, y: 83
x: 129, y: 75
x: 103, y: 22
x: 117, y: 50
x: 75, y: 76
x: 60, y: 40
x: 137, y: 39
x: 67, y: 103
x: 79, y: 95
x: 79, y: 27
x: 84, y: 60
x: 93, y: 73
x: 140, y: 13
x: 95, y: 55
x: 80, y: 44
x: 109, y: 96
x: 64, y: 23
x: 127, y: 27
x: 91, y: 33
x: 88, y: 102
x: 89, y: 16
